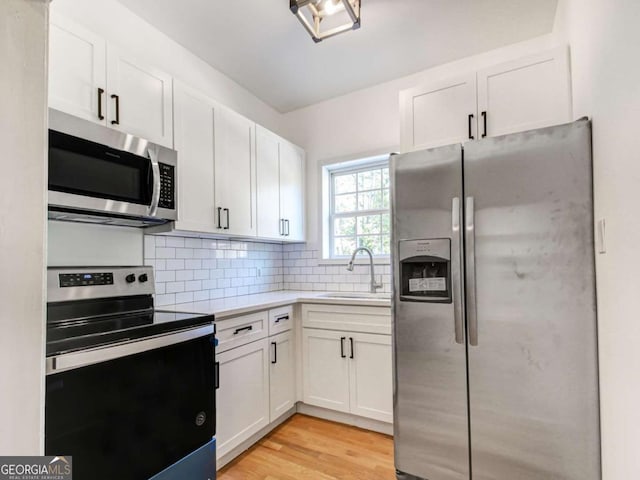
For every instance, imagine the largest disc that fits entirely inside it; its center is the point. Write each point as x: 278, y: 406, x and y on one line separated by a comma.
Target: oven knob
x: 143, y: 278
x: 130, y: 278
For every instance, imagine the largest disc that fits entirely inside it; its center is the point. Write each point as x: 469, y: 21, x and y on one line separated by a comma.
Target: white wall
x: 23, y: 30
x: 367, y: 122
x: 605, y: 43
x: 78, y: 244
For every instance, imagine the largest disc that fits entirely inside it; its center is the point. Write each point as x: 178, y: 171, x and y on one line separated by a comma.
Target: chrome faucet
x: 374, y: 286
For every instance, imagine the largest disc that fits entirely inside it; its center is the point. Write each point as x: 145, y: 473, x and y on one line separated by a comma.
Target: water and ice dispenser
x: 425, y: 270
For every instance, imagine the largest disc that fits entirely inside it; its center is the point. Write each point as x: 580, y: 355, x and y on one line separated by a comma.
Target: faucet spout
x: 373, y: 284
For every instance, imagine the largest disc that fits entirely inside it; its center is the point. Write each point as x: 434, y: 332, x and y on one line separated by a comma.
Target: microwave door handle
x: 155, y: 171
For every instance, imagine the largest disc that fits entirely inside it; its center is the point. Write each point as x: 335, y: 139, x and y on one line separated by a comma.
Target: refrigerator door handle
x: 470, y: 239
x: 457, y: 273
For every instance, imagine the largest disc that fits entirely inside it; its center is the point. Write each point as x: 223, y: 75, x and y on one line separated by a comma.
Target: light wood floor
x: 310, y: 448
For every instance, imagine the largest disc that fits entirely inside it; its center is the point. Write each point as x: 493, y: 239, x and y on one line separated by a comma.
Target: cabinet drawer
x: 280, y: 319
x: 241, y: 330
x: 347, y: 318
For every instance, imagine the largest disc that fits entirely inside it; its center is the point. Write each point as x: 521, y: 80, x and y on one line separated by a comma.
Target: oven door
x: 130, y: 417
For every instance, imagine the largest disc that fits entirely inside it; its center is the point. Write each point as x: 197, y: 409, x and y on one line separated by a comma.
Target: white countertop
x: 227, y: 307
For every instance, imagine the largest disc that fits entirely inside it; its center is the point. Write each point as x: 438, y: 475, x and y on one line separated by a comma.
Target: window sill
x: 359, y: 261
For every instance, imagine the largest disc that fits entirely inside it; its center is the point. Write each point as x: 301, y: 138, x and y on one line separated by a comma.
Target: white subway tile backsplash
x: 184, y: 297
x: 175, y: 242
x: 175, y: 287
x: 182, y: 275
x: 175, y: 264
x: 193, y: 243
x: 164, y: 252
x: 194, y: 269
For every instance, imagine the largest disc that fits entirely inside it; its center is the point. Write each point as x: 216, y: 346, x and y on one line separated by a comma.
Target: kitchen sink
x: 357, y: 295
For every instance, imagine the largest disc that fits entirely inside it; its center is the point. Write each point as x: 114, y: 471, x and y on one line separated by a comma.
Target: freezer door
x: 533, y: 387
x: 430, y: 389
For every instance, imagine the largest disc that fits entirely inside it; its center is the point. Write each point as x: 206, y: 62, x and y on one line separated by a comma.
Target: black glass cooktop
x: 68, y: 335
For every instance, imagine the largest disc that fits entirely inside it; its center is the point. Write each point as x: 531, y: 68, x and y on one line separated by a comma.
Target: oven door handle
x: 155, y: 172
x: 70, y: 361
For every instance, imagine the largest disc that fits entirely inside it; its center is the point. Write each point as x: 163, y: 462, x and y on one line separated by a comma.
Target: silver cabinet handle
x: 470, y: 238
x: 456, y: 249
x: 155, y: 170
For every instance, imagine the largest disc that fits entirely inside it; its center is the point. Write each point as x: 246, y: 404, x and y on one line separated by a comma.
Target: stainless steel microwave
x: 101, y: 175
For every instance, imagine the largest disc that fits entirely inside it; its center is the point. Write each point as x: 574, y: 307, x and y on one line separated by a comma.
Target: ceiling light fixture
x: 319, y: 10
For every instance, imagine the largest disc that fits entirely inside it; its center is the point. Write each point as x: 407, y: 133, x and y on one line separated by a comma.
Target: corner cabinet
x: 280, y: 187
x: 95, y: 80
x: 515, y: 96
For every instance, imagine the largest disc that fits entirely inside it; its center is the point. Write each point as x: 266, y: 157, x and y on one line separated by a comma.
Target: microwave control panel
x: 167, y: 186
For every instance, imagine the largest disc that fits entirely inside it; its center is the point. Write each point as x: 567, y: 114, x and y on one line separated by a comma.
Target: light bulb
x: 331, y: 6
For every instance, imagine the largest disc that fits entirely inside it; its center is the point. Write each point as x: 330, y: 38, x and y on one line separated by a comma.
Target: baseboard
x: 346, y: 418
x: 253, y: 439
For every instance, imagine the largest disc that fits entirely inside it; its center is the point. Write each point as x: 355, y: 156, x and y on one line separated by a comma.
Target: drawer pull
x: 281, y: 319
x: 238, y: 330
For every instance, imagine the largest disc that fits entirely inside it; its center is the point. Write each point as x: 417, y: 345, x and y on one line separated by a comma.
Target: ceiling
x: 263, y: 47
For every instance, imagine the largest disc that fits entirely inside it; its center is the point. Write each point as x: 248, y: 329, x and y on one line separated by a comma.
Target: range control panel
x: 85, y: 279
x: 84, y: 283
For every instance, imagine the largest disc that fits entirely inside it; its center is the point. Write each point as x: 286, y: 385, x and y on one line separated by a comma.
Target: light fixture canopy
x: 318, y: 10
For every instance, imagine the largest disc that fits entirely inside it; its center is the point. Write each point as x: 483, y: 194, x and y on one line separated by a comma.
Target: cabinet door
x: 325, y: 366
x: 370, y: 376
x: 235, y: 173
x: 144, y: 95
x: 525, y: 94
x: 292, y: 190
x: 242, y: 401
x: 282, y: 374
x: 438, y: 113
x: 268, y: 184
x: 194, y: 140
x: 77, y: 69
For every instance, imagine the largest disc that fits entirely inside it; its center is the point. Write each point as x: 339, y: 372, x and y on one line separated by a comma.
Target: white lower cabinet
x: 282, y: 394
x: 370, y: 376
x: 348, y: 372
x: 242, y: 400
x: 325, y: 369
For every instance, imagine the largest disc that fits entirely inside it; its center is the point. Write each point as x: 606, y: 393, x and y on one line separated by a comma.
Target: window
x: 359, y: 209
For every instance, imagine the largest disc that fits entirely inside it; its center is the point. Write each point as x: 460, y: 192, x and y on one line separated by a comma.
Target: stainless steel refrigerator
x: 495, y: 349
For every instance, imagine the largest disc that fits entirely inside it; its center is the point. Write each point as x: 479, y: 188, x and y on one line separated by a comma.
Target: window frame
x: 337, y: 170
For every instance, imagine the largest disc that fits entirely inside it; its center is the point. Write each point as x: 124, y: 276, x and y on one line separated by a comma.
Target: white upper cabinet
x: 529, y: 93
x: 292, y: 191
x: 280, y: 172
x: 235, y: 173
x: 440, y: 113
x: 519, y: 95
x: 77, y: 70
x: 140, y: 100
x: 270, y: 222
x: 95, y: 80
x: 194, y: 141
